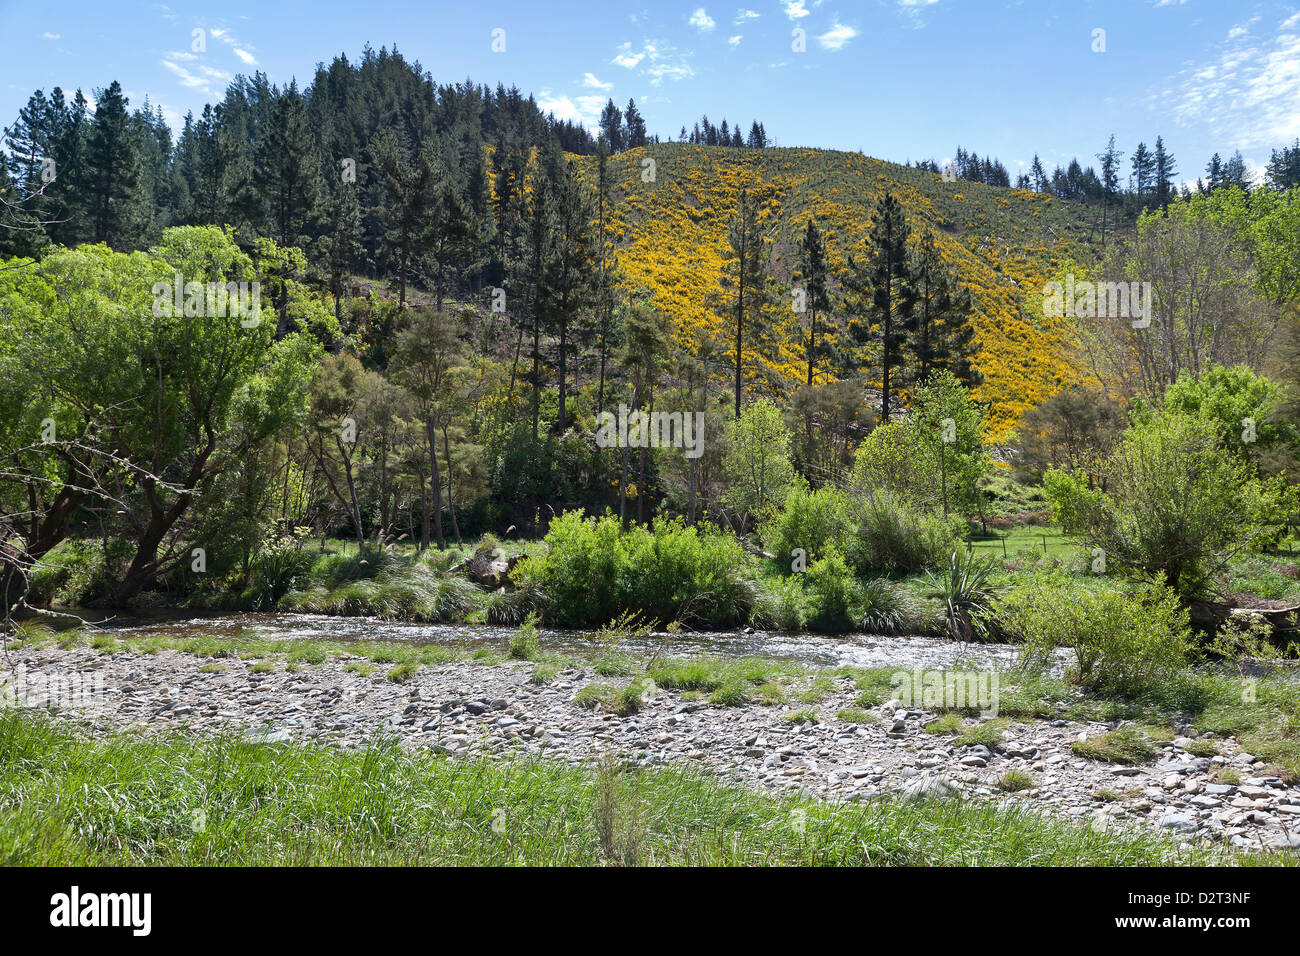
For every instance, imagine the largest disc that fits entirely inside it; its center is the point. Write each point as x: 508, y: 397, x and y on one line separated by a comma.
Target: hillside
x: 671, y: 240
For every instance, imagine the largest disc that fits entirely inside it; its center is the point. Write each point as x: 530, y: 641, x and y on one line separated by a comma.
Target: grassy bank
x: 69, y: 800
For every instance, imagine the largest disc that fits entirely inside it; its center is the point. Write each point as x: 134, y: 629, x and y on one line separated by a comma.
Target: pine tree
x: 1214, y: 173
x: 569, y: 280
x: 340, y: 248
x: 1143, y: 170
x: 1110, y: 160
x: 634, y: 123
x: 941, y: 335
x: 611, y: 125
x: 884, y: 291
x: 1164, y: 170
x: 411, y: 185
x: 1284, y: 167
x: 814, y: 272
x: 448, y: 234
x: 1040, y: 176
x: 114, y: 172
x: 1234, y: 172
x: 746, y: 276
x: 289, y: 171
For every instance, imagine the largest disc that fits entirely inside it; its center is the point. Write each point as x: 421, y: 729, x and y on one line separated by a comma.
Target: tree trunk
x: 451, y: 505
x: 436, y: 477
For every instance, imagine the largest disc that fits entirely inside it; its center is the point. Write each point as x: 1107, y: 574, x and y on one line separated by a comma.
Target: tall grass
x: 181, y: 800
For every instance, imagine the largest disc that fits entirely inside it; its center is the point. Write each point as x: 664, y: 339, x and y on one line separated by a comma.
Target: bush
x: 276, y: 570
x: 811, y: 521
x: 1125, y: 644
x: 525, y: 643
x: 1177, y: 505
x: 592, y: 571
x: 892, y: 537
x: 834, y: 594
x: 886, y: 608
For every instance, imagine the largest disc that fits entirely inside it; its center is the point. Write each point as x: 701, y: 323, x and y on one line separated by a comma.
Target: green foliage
x: 592, y: 571
x: 277, y: 569
x: 1239, y: 401
x: 1125, y: 744
x: 757, y: 460
x: 965, y: 591
x: 525, y: 644
x: 834, y: 591
x: 892, y: 536
x: 811, y: 521
x: 1124, y: 644
x: 128, y: 800
x: 1176, y: 505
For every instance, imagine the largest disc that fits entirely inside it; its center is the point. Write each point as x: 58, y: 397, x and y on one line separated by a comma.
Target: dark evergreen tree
x: 114, y: 170
x: 1284, y: 167
x: 815, y: 275
x: 746, y: 278
x: 634, y: 123
x: 1164, y: 170
x: 884, y: 291
x: 611, y: 126
x: 940, y: 334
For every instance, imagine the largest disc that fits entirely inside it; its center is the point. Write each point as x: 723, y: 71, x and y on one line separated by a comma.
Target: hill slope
x: 671, y: 241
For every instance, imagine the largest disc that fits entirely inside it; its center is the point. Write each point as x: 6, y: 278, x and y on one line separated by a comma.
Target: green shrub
x: 783, y: 604
x: 1178, y: 505
x: 525, y: 644
x: 592, y: 571
x: 886, y: 608
x: 811, y: 521
x: 1124, y: 643
x: 891, y: 536
x: 834, y: 593
x: 276, y: 570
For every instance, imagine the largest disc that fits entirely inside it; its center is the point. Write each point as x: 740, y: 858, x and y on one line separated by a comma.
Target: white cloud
x: 626, y: 58
x: 744, y: 14
x: 837, y: 36
x: 657, y: 61
x: 912, y: 9
x: 701, y: 20
x: 51, y: 36
x: 795, y: 9
x: 582, y: 109
x: 241, y: 50
x: 1246, y: 96
x: 591, y: 82
x: 185, y: 77
x: 735, y: 41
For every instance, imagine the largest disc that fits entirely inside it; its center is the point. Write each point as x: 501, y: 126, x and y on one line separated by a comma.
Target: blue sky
x: 898, y: 79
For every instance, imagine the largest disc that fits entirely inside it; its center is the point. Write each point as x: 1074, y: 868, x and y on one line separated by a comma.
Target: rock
x: 1182, y: 822
x: 927, y: 786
